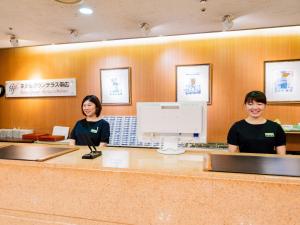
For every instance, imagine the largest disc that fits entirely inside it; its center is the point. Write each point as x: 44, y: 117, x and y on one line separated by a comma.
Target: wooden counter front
x: 293, y: 141
x: 141, y: 187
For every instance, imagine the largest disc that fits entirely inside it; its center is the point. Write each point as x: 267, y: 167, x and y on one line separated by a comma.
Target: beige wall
x: 237, y: 68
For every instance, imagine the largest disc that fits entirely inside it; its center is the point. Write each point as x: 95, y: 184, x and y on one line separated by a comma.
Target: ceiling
x: 42, y: 22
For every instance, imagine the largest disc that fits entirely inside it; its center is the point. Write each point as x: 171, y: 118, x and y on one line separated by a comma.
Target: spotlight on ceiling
x: 14, y: 41
x: 74, y: 34
x: 227, y: 22
x: 203, y: 5
x: 145, y: 28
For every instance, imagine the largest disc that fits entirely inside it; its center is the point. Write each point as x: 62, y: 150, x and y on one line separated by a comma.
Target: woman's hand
x: 72, y: 142
x: 102, y: 144
x: 281, y: 150
x: 233, y: 148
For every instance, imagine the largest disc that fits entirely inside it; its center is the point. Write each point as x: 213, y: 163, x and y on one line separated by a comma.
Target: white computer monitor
x: 171, y: 123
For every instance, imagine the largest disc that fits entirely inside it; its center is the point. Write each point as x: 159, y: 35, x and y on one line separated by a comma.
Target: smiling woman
x: 255, y: 134
x: 92, y: 130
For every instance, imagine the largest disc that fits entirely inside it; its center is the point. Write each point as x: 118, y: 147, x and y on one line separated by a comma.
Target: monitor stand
x: 169, y: 146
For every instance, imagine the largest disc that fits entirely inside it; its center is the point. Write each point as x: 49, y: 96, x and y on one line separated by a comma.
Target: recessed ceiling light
x: 69, y: 1
x: 85, y: 10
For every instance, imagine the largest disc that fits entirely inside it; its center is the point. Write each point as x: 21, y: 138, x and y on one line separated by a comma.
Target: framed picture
x: 193, y: 83
x: 115, y: 86
x: 2, y: 90
x: 282, y: 81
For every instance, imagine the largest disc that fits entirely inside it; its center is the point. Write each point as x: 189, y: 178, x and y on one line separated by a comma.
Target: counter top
x: 140, y: 160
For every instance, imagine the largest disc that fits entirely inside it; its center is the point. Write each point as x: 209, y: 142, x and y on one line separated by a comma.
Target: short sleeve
x: 105, y: 132
x: 232, y: 136
x: 73, y: 132
x: 280, y: 136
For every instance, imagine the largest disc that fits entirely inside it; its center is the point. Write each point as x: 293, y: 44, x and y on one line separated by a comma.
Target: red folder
x: 51, y: 138
x: 33, y: 136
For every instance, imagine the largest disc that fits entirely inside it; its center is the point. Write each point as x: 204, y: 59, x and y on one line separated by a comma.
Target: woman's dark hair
x: 257, y: 96
x: 95, y: 100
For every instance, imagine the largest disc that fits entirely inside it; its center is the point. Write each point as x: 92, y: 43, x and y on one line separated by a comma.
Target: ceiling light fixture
x: 227, y: 22
x: 69, y: 1
x: 145, y: 28
x: 86, y: 10
x: 14, y: 41
x: 203, y: 5
x: 74, y: 33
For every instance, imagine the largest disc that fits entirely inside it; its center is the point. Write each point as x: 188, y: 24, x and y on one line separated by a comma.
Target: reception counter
x: 141, y: 187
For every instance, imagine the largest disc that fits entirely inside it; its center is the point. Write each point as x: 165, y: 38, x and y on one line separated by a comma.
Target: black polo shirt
x: 256, y: 138
x: 86, y: 132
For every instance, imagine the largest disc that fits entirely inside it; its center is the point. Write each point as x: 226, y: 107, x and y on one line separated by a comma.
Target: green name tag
x: 269, y: 135
x: 95, y: 131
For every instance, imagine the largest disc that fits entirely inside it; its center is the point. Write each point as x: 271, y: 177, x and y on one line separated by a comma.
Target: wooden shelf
x: 292, y: 132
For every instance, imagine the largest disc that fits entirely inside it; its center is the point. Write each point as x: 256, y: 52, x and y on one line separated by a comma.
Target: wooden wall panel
x: 237, y: 64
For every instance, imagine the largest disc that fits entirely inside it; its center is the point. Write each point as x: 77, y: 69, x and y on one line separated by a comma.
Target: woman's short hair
x: 94, y: 99
x: 257, y: 96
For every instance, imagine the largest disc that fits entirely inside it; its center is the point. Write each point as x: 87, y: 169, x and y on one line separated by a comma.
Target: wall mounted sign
x: 41, y: 88
x: 193, y: 83
x: 282, y: 81
x: 115, y: 86
x: 2, y: 90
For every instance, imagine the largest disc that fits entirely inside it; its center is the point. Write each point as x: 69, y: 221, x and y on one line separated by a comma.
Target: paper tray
x: 267, y: 165
x: 32, y: 153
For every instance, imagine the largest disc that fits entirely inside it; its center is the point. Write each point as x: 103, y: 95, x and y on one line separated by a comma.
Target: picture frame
x: 2, y: 90
x: 193, y: 82
x: 115, y: 86
x: 282, y: 81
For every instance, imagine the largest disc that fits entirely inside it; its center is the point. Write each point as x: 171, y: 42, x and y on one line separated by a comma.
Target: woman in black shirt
x: 92, y: 130
x: 255, y: 134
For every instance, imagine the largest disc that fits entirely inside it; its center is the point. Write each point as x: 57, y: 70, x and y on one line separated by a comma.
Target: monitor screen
x: 186, y: 120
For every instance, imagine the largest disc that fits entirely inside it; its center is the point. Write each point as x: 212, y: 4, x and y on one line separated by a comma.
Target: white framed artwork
x: 115, y: 85
x: 282, y: 81
x: 193, y: 82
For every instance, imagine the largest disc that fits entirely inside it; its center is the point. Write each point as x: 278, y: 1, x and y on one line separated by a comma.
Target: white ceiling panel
x: 41, y: 22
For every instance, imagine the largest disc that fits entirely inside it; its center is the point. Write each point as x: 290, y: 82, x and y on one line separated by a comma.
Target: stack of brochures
x: 291, y: 128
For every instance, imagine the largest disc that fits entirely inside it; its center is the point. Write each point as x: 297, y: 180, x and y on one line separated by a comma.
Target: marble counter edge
x: 203, y: 175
